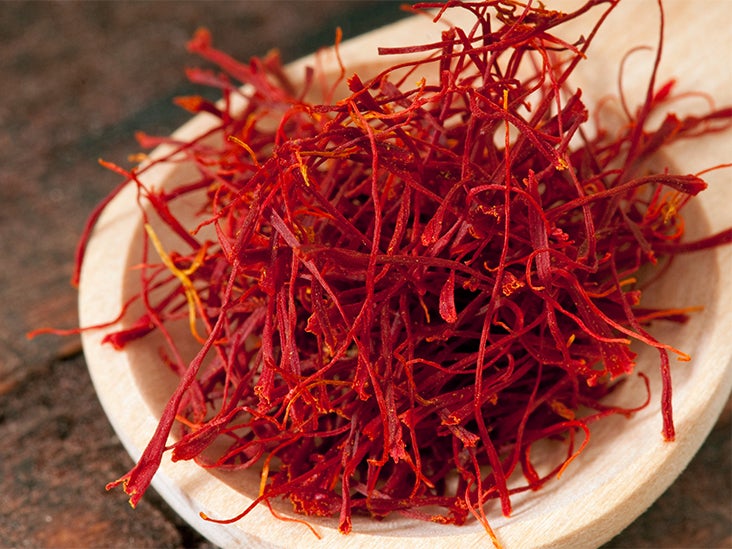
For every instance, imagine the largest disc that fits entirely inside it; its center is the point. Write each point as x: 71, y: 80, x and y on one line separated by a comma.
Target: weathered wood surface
x: 77, y: 80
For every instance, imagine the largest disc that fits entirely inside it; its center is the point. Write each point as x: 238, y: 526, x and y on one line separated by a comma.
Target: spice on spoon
x: 411, y: 285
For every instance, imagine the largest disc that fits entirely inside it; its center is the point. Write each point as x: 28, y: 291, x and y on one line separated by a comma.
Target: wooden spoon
x: 627, y: 465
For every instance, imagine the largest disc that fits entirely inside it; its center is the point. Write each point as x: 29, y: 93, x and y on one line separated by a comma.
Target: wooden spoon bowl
x: 627, y: 465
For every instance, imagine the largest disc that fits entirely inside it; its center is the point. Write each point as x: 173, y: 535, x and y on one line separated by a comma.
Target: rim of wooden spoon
x: 626, y: 467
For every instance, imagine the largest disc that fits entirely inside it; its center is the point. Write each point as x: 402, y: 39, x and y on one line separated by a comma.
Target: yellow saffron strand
x: 247, y: 148
x: 194, y: 302
x: 303, y: 169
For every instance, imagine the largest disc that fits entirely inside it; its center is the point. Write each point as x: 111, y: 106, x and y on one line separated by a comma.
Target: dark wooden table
x: 77, y: 80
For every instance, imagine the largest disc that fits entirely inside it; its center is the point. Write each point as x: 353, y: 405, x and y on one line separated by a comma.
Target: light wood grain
x: 627, y: 466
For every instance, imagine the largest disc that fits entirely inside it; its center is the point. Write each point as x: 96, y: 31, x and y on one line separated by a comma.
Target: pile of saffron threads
x: 413, y: 284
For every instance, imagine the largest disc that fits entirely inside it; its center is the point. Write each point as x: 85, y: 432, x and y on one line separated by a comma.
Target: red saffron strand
x: 409, y: 287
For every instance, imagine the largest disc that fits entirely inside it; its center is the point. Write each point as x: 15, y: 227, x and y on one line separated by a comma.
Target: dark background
x: 76, y: 81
